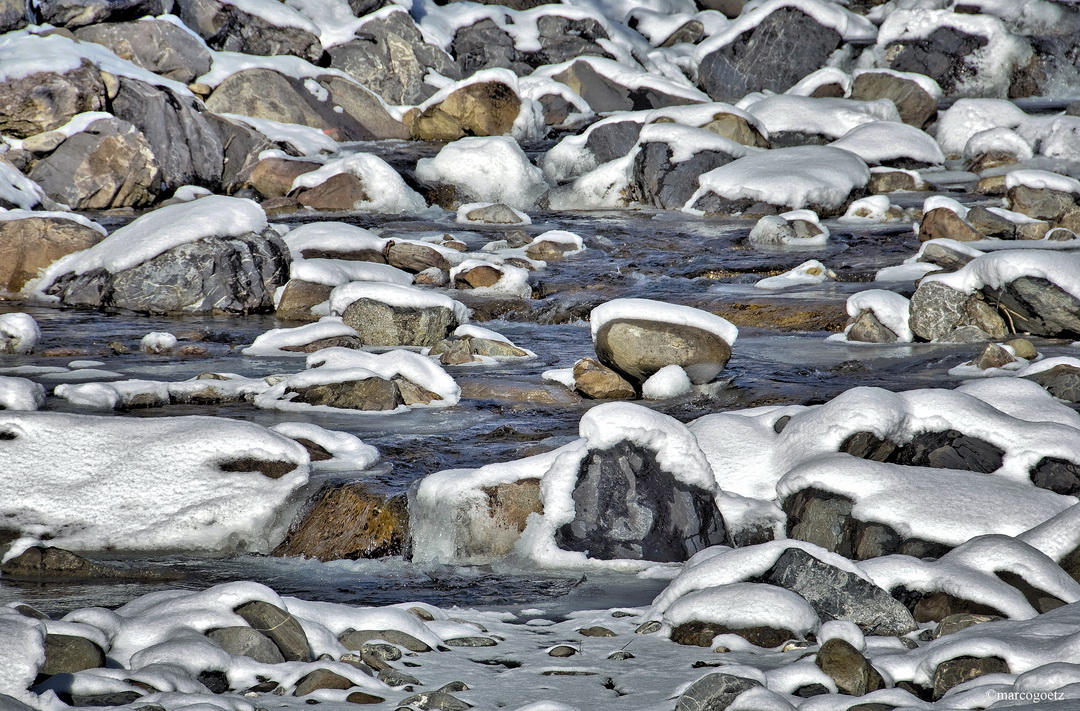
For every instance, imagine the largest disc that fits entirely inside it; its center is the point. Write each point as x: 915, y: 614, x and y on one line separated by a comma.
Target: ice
x: 20, y: 394
x: 387, y: 190
x: 349, y: 452
x: 489, y: 169
x: 19, y: 333
x: 826, y: 116
x: 305, y: 139
x: 273, y: 341
x: 886, y: 141
x: 95, y: 483
x: 394, y: 295
x: 808, y: 273
x: 649, y: 310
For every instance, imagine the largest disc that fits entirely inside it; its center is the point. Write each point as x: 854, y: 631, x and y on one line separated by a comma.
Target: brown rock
x: 413, y: 394
x: 956, y: 671
x: 596, y: 631
x: 889, y: 181
x: 993, y: 356
x: 495, y: 349
x: 991, y: 185
x: 321, y: 679
x: 56, y: 564
x: 943, y: 223
x: 1023, y: 348
x: 339, y: 192
x: 915, y: 105
x: 283, y: 629
x: 453, y: 351
x: 701, y: 634
x: 273, y: 177
x: 960, y: 621
x: 637, y: 349
x: 298, y: 298
x: 33, y: 243
x: 597, y: 381
x: 44, y: 101
x: 936, y: 606
x: 1040, y: 204
x: 414, y: 257
x: 365, y: 107
x: 67, y: 654
x: 370, y: 394
x: 548, y: 250
x: 362, y: 697
x: 434, y: 124
x: 510, y: 504
x: 847, y: 667
x: 349, y: 522
x: 358, y: 639
x: 331, y: 342
x: 484, y: 108
x: 866, y: 328
x: 477, y: 277
x: 516, y: 392
x: 280, y: 205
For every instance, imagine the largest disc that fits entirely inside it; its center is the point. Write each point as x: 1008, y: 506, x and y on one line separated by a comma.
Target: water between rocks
x: 781, y: 357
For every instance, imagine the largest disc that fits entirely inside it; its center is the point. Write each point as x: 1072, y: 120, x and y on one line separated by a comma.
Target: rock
x: 960, y: 621
x: 495, y: 349
x: 866, y: 328
x: 365, y: 108
x: 1058, y: 475
x: 77, y: 13
x: 349, y: 522
x: 562, y: 651
x: 915, y: 105
x: 487, y: 108
x: 66, y: 654
x: 246, y: 642
x: 956, y: 671
x: 267, y: 94
x: 281, y: 627
x: 298, y: 298
x: 227, y: 27
x: 109, y: 165
x: 356, y: 639
x: 339, y: 192
x: 737, y: 129
x: 42, y: 564
x: 836, y: 594
x: 627, y: 506
x: 942, y: 56
x: 478, y: 277
x: 935, y: 310
x: 597, y: 381
x: 241, y: 147
x: 847, y: 667
x: 937, y: 606
x: 609, y: 141
x: 659, y: 182
x: 604, y: 94
x: 993, y: 356
x: 32, y: 243
x: 948, y: 259
x: 391, y: 58
x: 396, y: 677
x: 120, y: 698
x: 13, y: 15
x: 156, y: 45
x: 1040, y: 204
x: 943, y: 223
x: 1023, y: 348
x: 596, y: 631
x: 1062, y: 381
x: 890, y: 181
x: 369, y: 394
x: 638, y: 348
x: 1037, y: 306
x: 381, y: 324
x: 439, y: 700
x: 434, y: 124
x: 321, y: 679
x: 714, y: 692
x: 273, y: 177
x: 497, y: 214
x: 775, y: 54
x: 362, y: 697
x: 484, y: 45
x: 43, y: 101
x: 821, y: 518
x: 470, y: 642
x: 414, y: 257
x: 213, y: 275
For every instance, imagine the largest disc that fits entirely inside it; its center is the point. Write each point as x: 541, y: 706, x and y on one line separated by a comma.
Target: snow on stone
x: 649, y: 310
x: 686, y: 141
x: 744, y: 605
x: 20, y: 394
x: 888, y: 307
x: 1042, y: 180
x: 999, y: 268
x: 998, y: 139
x: 19, y: 190
x: 822, y: 77
x: 927, y: 84
x: 462, y: 217
x: 830, y: 117
x: 808, y: 273
x: 670, y: 381
x: 633, y: 79
x: 513, y: 281
x: 886, y: 141
x: 394, y: 295
x: 225, y: 64
x: 159, y: 231
x: 387, y: 190
x: 96, y: 483
x: 19, y: 332
x: 868, y: 209
x: 794, y: 177
x: 332, y: 236
x: 22, y: 641
x: 305, y: 139
x: 968, y: 117
x: 273, y: 341
x: 349, y: 451
x: 335, y: 272
x: 109, y: 396
x: 574, y: 241
x: 602, y: 187
x: 490, y: 169
x: 158, y: 342
x: 1022, y: 399
x: 529, y: 124
x: 335, y: 20
x: 276, y: 13
x: 187, y: 193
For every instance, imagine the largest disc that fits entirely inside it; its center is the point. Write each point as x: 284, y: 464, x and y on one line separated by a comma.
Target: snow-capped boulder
x: 607, y: 85
x: 30, y: 242
x: 34, y: 101
x: 490, y: 169
x: 157, y: 45
x: 260, y: 27
x: 915, y: 95
x: 19, y: 333
x: 481, y: 108
x: 395, y: 315
x: 484, y: 45
x: 73, y: 14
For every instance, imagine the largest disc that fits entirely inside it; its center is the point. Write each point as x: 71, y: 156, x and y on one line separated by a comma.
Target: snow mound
x: 649, y: 310
x: 387, y: 191
x: 487, y: 169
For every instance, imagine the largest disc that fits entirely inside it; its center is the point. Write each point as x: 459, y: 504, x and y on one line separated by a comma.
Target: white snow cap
x: 19, y: 332
x: 488, y: 169
x: 386, y: 190
x: 20, y: 394
x: 649, y: 310
x: 394, y: 295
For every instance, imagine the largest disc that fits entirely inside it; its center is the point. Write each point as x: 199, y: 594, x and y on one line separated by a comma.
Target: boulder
x: 848, y: 668
x: 368, y: 394
x: 604, y: 94
x: 359, y: 639
x: 638, y: 348
x: 714, y: 692
x: 213, y: 275
x: 298, y: 298
x: 67, y: 654
x: 227, y: 27
x: 46, y: 100
x: 662, y: 183
x: 627, y: 506
x: 609, y: 141
x: 338, y: 192
x: 41, y: 564
x: 1037, y: 306
x: 349, y: 522
x: 391, y: 58
x: 1040, y: 203
x: 775, y: 54
x: 944, y: 256
x: 993, y: 356
x: 320, y: 679
x: 484, y: 45
x: 947, y: 449
x: 943, y: 223
x: 33, y: 243
x: 737, y: 129
x: 157, y: 45
x: 381, y: 324
x: 13, y: 15
x: 942, y: 56
x: 701, y: 634
x: 241, y: 146
x: 365, y: 108
x: 936, y: 311
x: 1062, y: 381
x: 282, y: 628
x: 487, y: 108
x: 960, y: 621
x: 496, y: 214
x: 866, y: 328
x: 109, y: 165
x: 414, y: 256
x: 597, y: 381
x: 273, y: 177
x: 961, y: 669
x: 1058, y: 475
x: 246, y: 642
x: 886, y: 180
x: 915, y: 105
x: 77, y: 13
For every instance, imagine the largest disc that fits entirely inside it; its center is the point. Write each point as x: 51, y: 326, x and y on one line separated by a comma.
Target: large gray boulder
x: 638, y: 348
x: 1038, y: 306
x: 775, y: 54
x: 13, y: 15
x: 381, y: 324
x: 110, y: 164
x: 77, y: 13
x: 484, y: 45
x: 661, y: 182
x: 46, y: 100
x: 627, y: 506
x: 714, y: 692
x: 226, y: 27
x: 156, y: 45
x: 915, y: 105
x: 392, y: 59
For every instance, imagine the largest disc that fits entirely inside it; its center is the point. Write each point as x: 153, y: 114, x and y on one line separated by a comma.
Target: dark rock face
x: 77, y: 13
x: 701, y: 634
x: 44, y: 101
x: 56, y: 564
x: 866, y: 328
x: 940, y: 56
x: 605, y: 94
x: 1061, y: 381
x: 370, y: 394
x: 836, y: 594
x: 612, y: 140
x: 380, y: 324
x: 1039, y: 307
x: 484, y: 45
x: 227, y: 28
x: 628, y: 507
x: 157, y: 45
x: 940, y: 313
x: 1057, y: 475
x: 661, y: 183
x: 213, y: 275
x: 714, y: 692
x: 949, y: 449
x: 781, y: 50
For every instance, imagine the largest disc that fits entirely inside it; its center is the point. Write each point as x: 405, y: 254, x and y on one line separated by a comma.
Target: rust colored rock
x: 273, y: 177
x: 31, y: 244
x: 349, y: 522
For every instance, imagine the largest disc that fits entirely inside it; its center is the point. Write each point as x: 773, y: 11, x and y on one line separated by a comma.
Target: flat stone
x: 960, y: 621
x: 340, y: 192
x: 935, y: 310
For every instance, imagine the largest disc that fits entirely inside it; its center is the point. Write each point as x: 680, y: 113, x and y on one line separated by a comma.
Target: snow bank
x: 745, y: 605
x: 335, y: 272
x: 19, y: 190
x: 887, y: 141
x: 808, y: 273
x: 1042, y: 180
x: 332, y: 236
x: 487, y: 169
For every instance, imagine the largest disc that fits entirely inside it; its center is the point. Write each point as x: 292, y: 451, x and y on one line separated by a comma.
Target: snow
x: 745, y: 605
x: 513, y: 281
x: 19, y: 190
x: 394, y: 295
x: 462, y: 217
x: 819, y: 78
x: 158, y: 342
x: 387, y: 190
x: 794, y: 177
x: 999, y: 268
x: 830, y: 117
x: 487, y: 169
x: 157, y: 232
x: 808, y: 273
x: 272, y: 342
x: 335, y: 21
x: 332, y: 236
x: 95, y: 483
x: 22, y: 655
x: 887, y: 141
x: 335, y: 272
x: 968, y: 117
x: 276, y: 13
x: 868, y: 209
x: 649, y: 310
x: 20, y: 394
x: 1042, y: 180
x: 187, y: 193
x: 305, y: 139
x: 19, y: 332
x: 686, y: 141
x: 998, y: 139
x: 670, y: 381
x: 890, y: 308
x: 349, y: 452
x: 225, y: 64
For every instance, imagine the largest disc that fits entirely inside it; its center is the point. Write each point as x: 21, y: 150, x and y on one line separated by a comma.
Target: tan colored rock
x: 44, y: 101
x: 349, y: 522
x: 434, y: 124
x: 33, y: 243
x: 365, y: 107
x: 484, y: 108
x: 889, y: 181
x: 847, y: 667
x: 477, y: 277
x: 943, y: 223
x: 597, y: 381
x: 737, y: 129
x: 413, y: 394
x: 273, y: 177
x: 509, y: 505
x: 369, y: 394
x: 339, y: 192
x: 548, y: 250
x: 638, y: 348
x: 321, y: 679
x: 298, y: 298
x: 915, y: 105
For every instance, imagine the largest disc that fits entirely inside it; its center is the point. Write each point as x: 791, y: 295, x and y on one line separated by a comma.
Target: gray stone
x: 470, y: 642
x: 948, y: 259
x: 281, y: 627
x: 1062, y: 381
x: 966, y: 333
x: 241, y: 146
x: 836, y: 594
x: 714, y: 692
x: 1037, y: 306
x: 993, y: 356
x: 343, y: 191
x: 321, y: 679
x: 365, y: 108
x: 67, y: 654
x: 357, y: 639
x: 847, y: 667
x: 956, y: 671
x: 659, y: 182
x: 935, y: 310
x: 43, y: 101
x: 605, y: 94
x: 596, y: 631
x: 627, y: 506
x: 381, y: 324
x: 495, y: 349
x: 823, y: 519
x: 942, y: 56
x: 396, y: 677
x: 414, y: 257
x: 943, y: 223
x: 369, y: 394
x: 1040, y: 203
x: 226, y: 27
x: 562, y: 651
x: 960, y: 621
x: 638, y: 348
x: 392, y: 59
x: 77, y: 13
x: 484, y: 45
x: 782, y: 49
x: 246, y: 642
x: 42, y: 564
x: 612, y: 140
x: 13, y: 15
x: 915, y: 105
x: 120, y: 698
x: 1057, y: 475
x: 109, y: 165
x: 597, y: 381
x: 157, y: 45
x: 497, y: 214
x: 439, y: 700
x: 866, y: 328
